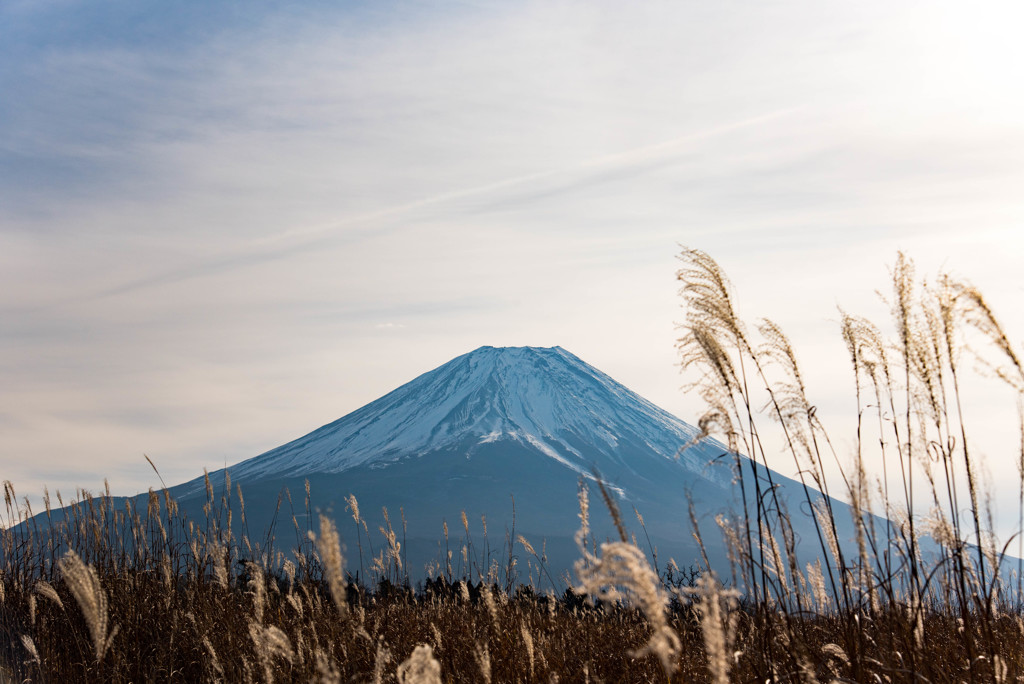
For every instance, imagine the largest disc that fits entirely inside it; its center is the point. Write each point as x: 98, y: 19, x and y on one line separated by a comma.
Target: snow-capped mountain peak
x: 545, y: 398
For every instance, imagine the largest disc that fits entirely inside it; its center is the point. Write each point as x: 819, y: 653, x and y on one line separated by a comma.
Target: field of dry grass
x: 138, y: 593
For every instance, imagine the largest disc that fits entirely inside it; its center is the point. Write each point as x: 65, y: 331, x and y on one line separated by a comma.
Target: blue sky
x: 225, y: 224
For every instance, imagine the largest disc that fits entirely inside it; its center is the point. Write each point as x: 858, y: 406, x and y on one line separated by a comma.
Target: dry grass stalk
x: 30, y: 647
x: 621, y: 573
x: 483, y: 661
x: 716, y: 607
x: 213, y: 660
x: 326, y: 669
x: 84, y: 584
x: 528, y: 645
x: 334, y: 565
x: 46, y: 590
x: 258, y: 584
x: 270, y: 643
x: 380, y: 662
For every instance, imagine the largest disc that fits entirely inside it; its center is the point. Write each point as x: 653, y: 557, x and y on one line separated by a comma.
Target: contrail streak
x: 607, y: 161
x: 274, y: 247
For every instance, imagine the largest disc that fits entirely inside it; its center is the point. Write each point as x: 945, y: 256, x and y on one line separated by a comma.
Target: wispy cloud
x: 219, y: 217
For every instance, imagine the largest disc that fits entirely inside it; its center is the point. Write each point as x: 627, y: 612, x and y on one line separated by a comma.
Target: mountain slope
x: 490, y: 427
x: 545, y: 398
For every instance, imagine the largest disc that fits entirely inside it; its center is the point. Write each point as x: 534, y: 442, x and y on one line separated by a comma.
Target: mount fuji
x: 503, y: 435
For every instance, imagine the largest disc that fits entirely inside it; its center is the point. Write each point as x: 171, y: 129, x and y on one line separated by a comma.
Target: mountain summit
x: 544, y: 399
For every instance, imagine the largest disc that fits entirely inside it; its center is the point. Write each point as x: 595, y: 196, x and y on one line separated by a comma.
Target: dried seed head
x: 352, y: 505
x: 528, y: 644
x: 716, y: 608
x: 483, y: 660
x: 213, y: 660
x: 329, y: 546
x: 84, y: 584
x: 621, y: 573
x: 45, y: 589
x: 380, y: 662
x: 220, y: 569
x: 30, y: 646
x: 420, y: 668
x: 258, y: 584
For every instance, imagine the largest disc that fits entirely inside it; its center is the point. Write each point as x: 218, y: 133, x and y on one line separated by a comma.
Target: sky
x: 225, y: 224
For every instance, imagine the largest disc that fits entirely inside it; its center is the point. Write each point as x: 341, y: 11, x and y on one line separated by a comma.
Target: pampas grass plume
x: 420, y: 667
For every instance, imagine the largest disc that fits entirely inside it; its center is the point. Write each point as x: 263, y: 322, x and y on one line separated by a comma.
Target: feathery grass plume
x: 492, y: 608
x: 208, y: 484
x: 394, y: 546
x: 836, y: 652
x: 788, y: 395
x: 84, y: 584
x: 420, y: 667
x: 380, y: 662
x: 977, y: 313
x: 334, y: 565
x: 378, y: 565
x: 270, y: 643
x: 716, y: 608
x: 1000, y: 669
x: 541, y: 561
x: 325, y: 667
x: 45, y: 589
x: 258, y: 584
x: 30, y: 646
x: 528, y: 645
x: 436, y: 634
x: 613, y: 508
x: 213, y: 660
x: 526, y: 545
x: 296, y: 603
x: 483, y: 661
x: 288, y: 568
x: 217, y: 554
x: 352, y: 505
x: 621, y: 573
x: 165, y: 573
x: 823, y: 517
x: 583, y: 497
x: 773, y: 560
x: 247, y: 671
x: 937, y: 526
x: 816, y: 580
x: 707, y: 291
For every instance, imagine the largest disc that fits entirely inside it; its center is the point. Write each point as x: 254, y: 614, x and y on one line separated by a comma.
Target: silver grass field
x: 924, y: 592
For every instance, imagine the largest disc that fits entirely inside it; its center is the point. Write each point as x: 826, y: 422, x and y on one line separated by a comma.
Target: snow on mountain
x: 543, y: 397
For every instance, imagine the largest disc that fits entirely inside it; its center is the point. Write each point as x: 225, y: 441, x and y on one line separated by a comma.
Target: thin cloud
x: 225, y: 225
